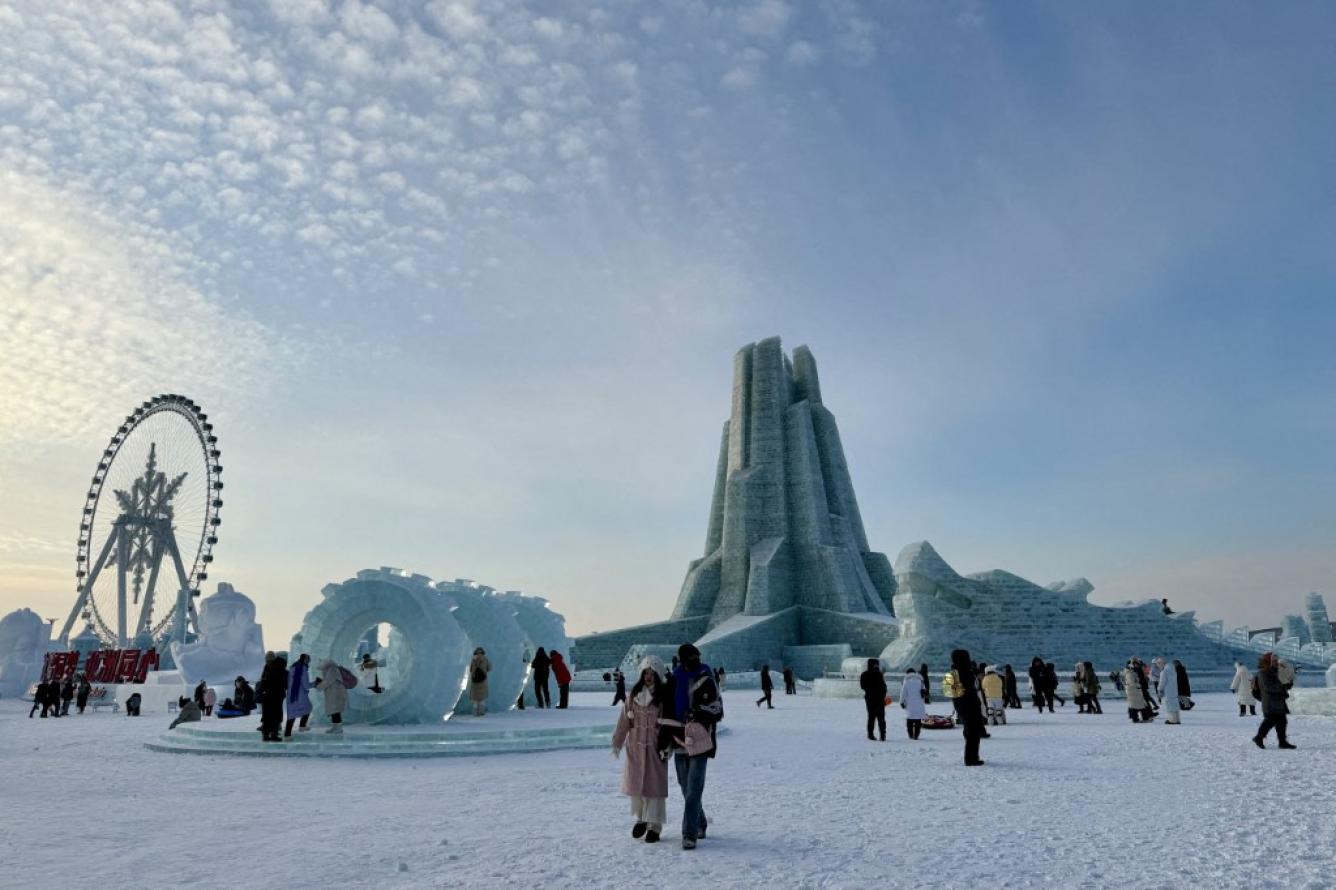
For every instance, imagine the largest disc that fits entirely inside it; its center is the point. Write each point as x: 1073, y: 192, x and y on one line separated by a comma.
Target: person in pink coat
x: 640, y: 734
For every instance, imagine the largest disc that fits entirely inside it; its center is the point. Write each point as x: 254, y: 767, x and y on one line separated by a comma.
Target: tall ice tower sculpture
x: 787, y: 576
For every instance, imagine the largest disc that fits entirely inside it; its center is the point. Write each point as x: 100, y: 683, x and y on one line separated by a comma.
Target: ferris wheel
x: 154, y: 498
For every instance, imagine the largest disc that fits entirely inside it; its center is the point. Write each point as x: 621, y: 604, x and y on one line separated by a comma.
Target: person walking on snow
x: 299, y: 695
x: 66, y: 696
x: 85, y: 691
x: 1241, y: 686
x: 542, y: 668
x: 927, y: 686
x: 1051, y: 686
x: 1076, y: 688
x: 1138, y: 709
x: 562, y: 675
x: 618, y: 686
x: 911, y: 702
x: 479, y: 668
x: 1038, y: 684
x: 767, y: 688
x: 1272, y: 693
x: 1010, y: 688
x: 696, y: 710
x: 647, y: 743
x: 790, y: 687
x: 873, y: 683
x: 1168, y: 690
x: 958, y: 686
x: 331, y: 683
x: 1090, y: 682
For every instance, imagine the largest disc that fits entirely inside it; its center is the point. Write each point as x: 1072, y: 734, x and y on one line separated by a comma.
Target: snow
x: 797, y: 798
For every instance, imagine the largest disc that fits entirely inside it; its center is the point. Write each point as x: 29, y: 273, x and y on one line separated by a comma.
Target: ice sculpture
x: 1315, y: 702
x: 491, y: 624
x: 1004, y: 619
x: 230, y: 643
x: 1294, y: 626
x: 433, y: 631
x: 540, y: 624
x: 24, y: 639
x: 1319, y: 625
x: 787, y: 576
x: 425, y: 658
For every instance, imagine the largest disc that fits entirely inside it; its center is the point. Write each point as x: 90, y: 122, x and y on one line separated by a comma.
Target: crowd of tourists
x: 981, y: 695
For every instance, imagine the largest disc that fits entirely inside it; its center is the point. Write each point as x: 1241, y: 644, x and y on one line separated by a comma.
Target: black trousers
x: 1095, y: 705
x: 619, y: 696
x: 972, y: 737
x: 271, y: 717
x: 563, y: 695
x: 287, y: 730
x: 541, y: 692
x: 914, y: 728
x: 1280, y: 723
x: 789, y: 688
x: 1134, y: 715
x: 765, y: 697
x: 876, y: 716
x: 1251, y: 709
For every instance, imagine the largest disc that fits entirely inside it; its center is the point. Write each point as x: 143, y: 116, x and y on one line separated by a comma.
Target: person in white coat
x: 1241, y: 686
x: 1168, y: 690
x: 336, y: 694
x: 911, y: 699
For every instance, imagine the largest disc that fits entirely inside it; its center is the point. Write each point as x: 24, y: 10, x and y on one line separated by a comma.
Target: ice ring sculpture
x: 434, y: 630
x: 491, y: 624
x: 427, y: 656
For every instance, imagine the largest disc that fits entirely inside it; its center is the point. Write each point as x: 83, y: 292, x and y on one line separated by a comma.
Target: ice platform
x: 508, y: 733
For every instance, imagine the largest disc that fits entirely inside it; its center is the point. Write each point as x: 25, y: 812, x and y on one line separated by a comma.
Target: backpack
x: 479, y: 675
x: 348, y: 677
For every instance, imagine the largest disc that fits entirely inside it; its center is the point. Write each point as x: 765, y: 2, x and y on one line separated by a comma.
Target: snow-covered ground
x: 797, y: 798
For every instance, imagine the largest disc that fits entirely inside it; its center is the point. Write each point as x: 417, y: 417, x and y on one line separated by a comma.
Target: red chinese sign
x: 102, y: 666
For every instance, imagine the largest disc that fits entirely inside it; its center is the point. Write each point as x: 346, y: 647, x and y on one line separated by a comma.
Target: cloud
x: 765, y: 18
x: 801, y: 53
x: 96, y: 315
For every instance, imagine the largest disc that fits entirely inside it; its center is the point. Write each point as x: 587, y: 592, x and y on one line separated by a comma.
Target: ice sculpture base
x: 511, y: 732
x: 1318, y: 702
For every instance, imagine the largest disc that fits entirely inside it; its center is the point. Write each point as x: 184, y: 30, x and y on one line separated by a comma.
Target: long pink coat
x: 637, y: 731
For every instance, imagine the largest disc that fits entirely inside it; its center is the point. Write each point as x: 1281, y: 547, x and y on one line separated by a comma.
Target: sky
x: 459, y: 283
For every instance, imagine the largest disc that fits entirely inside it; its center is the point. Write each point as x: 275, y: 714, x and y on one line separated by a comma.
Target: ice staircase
x: 371, y: 742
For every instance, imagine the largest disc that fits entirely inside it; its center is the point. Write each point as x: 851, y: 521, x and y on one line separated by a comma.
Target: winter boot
x: 688, y: 843
x: 651, y: 837
x: 1257, y: 740
x: 638, y: 830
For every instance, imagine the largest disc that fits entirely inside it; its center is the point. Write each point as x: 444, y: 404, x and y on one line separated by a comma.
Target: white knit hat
x: 654, y: 663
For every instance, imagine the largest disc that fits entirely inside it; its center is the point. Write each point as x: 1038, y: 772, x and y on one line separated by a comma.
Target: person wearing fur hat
x: 647, y: 744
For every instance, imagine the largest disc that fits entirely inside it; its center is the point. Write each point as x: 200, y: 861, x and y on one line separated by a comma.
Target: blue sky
x: 460, y: 282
